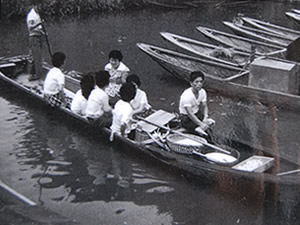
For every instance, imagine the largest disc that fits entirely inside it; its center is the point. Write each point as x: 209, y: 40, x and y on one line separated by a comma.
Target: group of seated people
x: 111, y: 97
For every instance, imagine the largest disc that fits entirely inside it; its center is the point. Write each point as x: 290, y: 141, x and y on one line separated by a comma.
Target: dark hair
x: 102, y: 78
x: 127, y: 92
x: 196, y: 74
x: 58, y: 59
x: 133, y: 78
x: 87, y: 84
x: 115, y: 54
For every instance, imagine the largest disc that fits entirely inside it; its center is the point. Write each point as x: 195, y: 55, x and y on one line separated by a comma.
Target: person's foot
x: 33, y: 77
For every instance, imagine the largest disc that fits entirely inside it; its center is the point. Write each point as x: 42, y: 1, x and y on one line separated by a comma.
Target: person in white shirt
x: 35, y: 30
x: 55, y: 81
x: 79, y: 101
x: 118, y: 72
x: 122, y: 112
x: 194, y: 117
x: 140, y: 101
x: 98, y: 110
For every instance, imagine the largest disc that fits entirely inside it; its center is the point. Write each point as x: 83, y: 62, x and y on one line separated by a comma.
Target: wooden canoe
x: 260, y: 35
x: 194, y: 165
x: 231, y: 82
x: 212, y: 52
x: 238, y: 42
x: 276, y: 29
x: 181, y: 65
x: 296, y: 10
x: 294, y: 16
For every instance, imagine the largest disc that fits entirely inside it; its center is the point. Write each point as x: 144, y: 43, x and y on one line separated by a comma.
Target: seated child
x: 118, y: 72
x: 79, y: 102
x: 122, y: 112
x: 55, y: 81
x: 140, y: 101
x: 98, y: 110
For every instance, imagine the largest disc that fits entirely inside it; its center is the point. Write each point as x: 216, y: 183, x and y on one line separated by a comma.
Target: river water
x: 68, y: 170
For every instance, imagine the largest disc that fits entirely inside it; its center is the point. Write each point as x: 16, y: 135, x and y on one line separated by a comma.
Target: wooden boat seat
x: 255, y: 163
x: 159, y: 117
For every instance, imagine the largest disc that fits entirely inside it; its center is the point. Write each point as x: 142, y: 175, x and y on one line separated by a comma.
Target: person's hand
x: 209, y: 121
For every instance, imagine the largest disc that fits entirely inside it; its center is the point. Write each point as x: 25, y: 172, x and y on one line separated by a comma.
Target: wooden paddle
x: 184, y: 135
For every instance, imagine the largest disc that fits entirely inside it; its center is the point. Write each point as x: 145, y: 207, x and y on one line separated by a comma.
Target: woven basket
x: 140, y: 135
x: 184, y: 145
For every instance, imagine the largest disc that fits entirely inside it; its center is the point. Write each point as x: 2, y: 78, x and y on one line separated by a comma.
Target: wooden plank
x: 160, y: 117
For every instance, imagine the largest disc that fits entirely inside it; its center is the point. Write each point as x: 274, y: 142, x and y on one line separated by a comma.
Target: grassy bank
x: 16, y: 9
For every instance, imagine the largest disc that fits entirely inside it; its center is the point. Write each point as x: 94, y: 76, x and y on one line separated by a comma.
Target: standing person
x: 79, y: 102
x: 194, y: 117
x: 55, y: 81
x: 140, y: 102
x: 118, y: 72
x: 98, y: 110
x: 35, y: 29
x: 122, y: 112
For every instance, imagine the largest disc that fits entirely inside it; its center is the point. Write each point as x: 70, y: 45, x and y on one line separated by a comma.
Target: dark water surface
x: 83, y: 177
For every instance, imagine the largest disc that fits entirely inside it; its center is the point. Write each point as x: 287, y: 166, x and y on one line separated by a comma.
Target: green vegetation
x: 15, y: 9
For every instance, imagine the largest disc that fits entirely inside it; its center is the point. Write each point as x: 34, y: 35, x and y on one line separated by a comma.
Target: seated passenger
x: 140, y: 101
x: 55, y: 81
x: 118, y: 72
x: 79, y: 102
x: 122, y: 112
x: 98, y: 110
x: 193, y: 117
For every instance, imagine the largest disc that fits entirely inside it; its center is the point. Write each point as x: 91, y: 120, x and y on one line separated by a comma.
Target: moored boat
x: 296, y: 10
x: 260, y: 35
x: 178, y: 150
x: 294, y: 16
x: 293, y: 34
x: 186, y: 64
x: 216, y: 53
x: 232, y: 82
x: 238, y: 42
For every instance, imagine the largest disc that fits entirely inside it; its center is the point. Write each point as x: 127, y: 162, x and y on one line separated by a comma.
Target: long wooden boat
x: 257, y: 34
x: 247, y: 167
x: 276, y: 29
x: 296, y: 10
x: 231, y: 82
x: 212, y: 52
x: 293, y: 15
x: 238, y: 42
x: 187, y: 64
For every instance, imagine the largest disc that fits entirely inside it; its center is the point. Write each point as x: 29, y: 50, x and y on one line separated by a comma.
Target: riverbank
x: 17, y: 9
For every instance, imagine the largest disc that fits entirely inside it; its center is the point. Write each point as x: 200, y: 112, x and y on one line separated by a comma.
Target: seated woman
x: 122, y: 112
x: 55, y: 82
x: 118, y: 72
x: 193, y: 117
x: 98, y: 110
x: 79, y: 102
x: 140, y: 102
